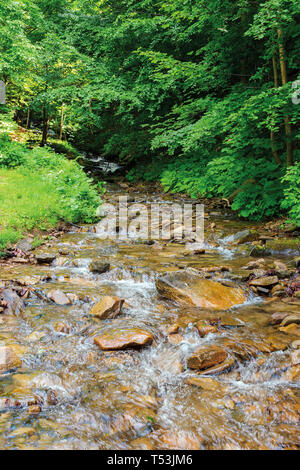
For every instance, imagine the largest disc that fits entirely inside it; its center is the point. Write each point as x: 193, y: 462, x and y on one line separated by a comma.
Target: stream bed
x: 67, y: 393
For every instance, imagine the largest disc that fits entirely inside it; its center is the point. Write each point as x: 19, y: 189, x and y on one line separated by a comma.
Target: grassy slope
x: 39, y: 187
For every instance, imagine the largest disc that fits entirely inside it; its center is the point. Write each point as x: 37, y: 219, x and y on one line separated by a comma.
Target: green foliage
x: 291, y: 201
x: 182, y: 91
x: 38, y: 188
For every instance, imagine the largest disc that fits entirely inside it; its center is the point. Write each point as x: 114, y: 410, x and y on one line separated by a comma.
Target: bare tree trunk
x: 287, y: 120
x: 61, y: 126
x: 45, y: 127
x: 272, y: 135
x: 28, y: 118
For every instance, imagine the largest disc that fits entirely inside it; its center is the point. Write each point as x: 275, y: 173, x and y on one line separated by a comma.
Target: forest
x: 201, y: 96
x: 149, y: 227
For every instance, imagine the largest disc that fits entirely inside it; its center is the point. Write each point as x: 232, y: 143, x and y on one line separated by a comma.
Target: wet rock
x: 108, y: 307
x: 13, y: 304
x: 291, y: 319
x: 36, y: 336
x: 99, y: 267
x: 292, y: 329
x: 59, y: 297
x: 296, y: 357
x: 296, y: 344
x: 206, y: 357
x: 205, y: 383
x: 8, y: 359
x: 142, y: 443
x: 172, y: 329
x: 267, y: 281
x: 205, y: 328
x: 190, y: 289
x: 45, y: 258
x: 179, y: 440
x: 224, y: 366
x: 61, y: 327
x: 34, y: 410
x: 242, y: 237
x: 175, y: 339
x: 123, y: 339
x: 259, y: 251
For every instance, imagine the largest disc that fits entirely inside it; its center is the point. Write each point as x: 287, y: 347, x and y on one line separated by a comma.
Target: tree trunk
x: 272, y: 135
x: 28, y: 118
x: 45, y: 127
x: 287, y: 120
x: 61, y: 126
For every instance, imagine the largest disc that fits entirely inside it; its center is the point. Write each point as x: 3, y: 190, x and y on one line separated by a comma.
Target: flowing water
x: 134, y: 399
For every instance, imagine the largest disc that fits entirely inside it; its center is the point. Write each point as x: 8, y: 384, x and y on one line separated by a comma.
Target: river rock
x: 242, y: 237
x: 206, y: 357
x: 8, y: 359
x: 294, y: 318
x: 296, y: 357
x: 108, y: 307
x: 205, y: 383
x: 205, y: 328
x: 24, y: 245
x: 59, y: 297
x: 115, y: 339
x: 99, y: 267
x: 14, y: 304
x: 179, y: 440
x: 267, y: 281
x: 45, y: 258
x: 190, y: 289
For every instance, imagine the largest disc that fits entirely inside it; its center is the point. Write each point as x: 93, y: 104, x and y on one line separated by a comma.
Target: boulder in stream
x: 8, y: 359
x: 59, y: 297
x: 108, y: 307
x: 128, y: 338
x: 99, y: 267
x: 45, y: 258
x: 14, y: 305
x: 190, y: 289
x: 206, y: 357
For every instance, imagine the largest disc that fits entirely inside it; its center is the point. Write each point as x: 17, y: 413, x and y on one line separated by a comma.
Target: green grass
x: 38, y: 188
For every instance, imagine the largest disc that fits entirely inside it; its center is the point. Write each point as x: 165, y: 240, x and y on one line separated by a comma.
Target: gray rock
x: 15, y: 305
x: 45, y: 258
x: 24, y: 245
x: 99, y: 267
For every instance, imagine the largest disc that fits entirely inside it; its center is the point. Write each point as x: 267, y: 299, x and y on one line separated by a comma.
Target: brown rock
x: 108, y: 307
x: 190, y: 289
x: 8, y: 359
x: 129, y: 338
x: 180, y: 440
x: 205, y: 328
x: 59, y: 297
x: 264, y: 281
x: 61, y: 327
x: 205, y: 383
x: 175, y: 339
x: 34, y: 410
x: 296, y: 357
x: 290, y: 319
x: 224, y: 366
x: 206, y: 357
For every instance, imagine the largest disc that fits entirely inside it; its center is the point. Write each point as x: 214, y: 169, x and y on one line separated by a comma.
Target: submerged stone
x: 206, y: 357
x: 116, y: 339
x: 190, y: 289
x: 108, y: 307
